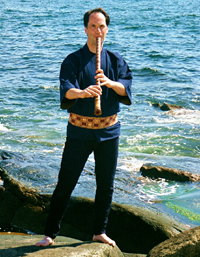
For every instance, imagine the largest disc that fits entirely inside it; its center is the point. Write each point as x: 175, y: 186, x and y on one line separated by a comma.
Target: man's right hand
x: 91, y: 91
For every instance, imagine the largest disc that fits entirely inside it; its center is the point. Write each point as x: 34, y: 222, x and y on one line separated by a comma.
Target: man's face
x: 96, y: 28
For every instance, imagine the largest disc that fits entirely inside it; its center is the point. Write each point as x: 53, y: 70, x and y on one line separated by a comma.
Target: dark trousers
x: 75, y: 155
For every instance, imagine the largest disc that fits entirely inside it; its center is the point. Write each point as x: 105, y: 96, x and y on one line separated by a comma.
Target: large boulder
x: 168, y: 173
x: 185, y: 244
x: 19, y: 245
x: 135, y: 229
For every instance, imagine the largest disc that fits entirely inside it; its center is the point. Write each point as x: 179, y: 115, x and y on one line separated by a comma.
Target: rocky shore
x: 137, y: 231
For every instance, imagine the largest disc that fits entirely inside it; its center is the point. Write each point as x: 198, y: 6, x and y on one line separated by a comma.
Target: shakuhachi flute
x: 97, y: 101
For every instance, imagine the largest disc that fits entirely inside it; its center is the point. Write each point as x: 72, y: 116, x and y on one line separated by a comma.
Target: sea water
x: 160, y: 42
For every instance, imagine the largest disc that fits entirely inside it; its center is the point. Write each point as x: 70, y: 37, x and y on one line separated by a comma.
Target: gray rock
x: 168, y: 173
x: 185, y: 244
x: 135, y: 229
x: 19, y: 245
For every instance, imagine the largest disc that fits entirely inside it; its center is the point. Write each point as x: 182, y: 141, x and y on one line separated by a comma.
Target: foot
x: 46, y: 241
x: 104, y: 239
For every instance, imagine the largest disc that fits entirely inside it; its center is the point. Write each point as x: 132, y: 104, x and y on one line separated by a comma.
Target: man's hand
x: 103, y: 79
x: 116, y: 86
x: 91, y: 91
x: 96, y: 90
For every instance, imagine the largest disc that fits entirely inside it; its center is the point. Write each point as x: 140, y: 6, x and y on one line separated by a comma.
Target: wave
x: 3, y: 128
x: 181, y: 116
x: 149, y: 71
x: 157, y: 55
x: 186, y: 116
x: 56, y: 88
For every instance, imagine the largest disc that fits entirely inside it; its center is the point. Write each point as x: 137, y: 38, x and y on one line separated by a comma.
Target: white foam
x: 186, y: 116
x: 130, y: 163
x: 3, y: 128
x: 181, y: 116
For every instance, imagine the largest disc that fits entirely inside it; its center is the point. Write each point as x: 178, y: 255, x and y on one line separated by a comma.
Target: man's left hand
x: 103, y: 79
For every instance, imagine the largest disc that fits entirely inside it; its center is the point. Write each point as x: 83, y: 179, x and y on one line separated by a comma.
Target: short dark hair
x: 88, y: 13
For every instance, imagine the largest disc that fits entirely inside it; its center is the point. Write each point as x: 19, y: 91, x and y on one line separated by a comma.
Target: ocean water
x: 160, y: 42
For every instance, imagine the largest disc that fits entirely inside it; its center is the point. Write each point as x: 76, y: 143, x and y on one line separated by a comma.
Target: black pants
x: 75, y: 155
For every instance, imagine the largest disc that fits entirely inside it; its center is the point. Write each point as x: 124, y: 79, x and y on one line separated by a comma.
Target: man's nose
x: 98, y: 30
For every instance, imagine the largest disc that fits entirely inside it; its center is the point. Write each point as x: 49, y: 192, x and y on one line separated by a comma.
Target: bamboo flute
x: 97, y: 101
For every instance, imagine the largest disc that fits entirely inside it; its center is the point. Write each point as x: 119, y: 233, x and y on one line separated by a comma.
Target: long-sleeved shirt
x: 78, y: 71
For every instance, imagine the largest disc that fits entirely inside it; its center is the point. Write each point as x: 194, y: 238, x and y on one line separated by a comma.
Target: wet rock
x: 185, y: 244
x: 18, y: 189
x: 8, y: 155
x: 168, y: 107
x: 22, y: 208
x: 4, y: 155
x: 135, y: 229
x: 156, y: 104
x: 168, y: 173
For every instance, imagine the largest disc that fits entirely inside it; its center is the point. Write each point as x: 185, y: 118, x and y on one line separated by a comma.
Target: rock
x: 4, y: 155
x: 156, y: 104
x: 19, y: 245
x: 126, y: 223
x: 9, y: 204
x: 168, y: 107
x: 135, y: 229
x: 134, y: 255
x: 185, y: 244
x: 18, y: 189
x: 168, y: 173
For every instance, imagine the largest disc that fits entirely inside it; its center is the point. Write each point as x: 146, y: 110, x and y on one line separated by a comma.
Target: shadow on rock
x: 19, y: 246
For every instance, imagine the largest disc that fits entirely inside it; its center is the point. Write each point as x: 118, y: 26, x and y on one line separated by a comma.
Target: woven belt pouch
x: 92, y: 122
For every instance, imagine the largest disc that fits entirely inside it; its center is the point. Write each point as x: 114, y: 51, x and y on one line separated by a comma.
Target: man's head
x: 88, y: 13
x: 96, y: 25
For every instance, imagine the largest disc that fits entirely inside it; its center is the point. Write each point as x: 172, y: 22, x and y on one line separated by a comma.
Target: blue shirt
x: 78, y: 71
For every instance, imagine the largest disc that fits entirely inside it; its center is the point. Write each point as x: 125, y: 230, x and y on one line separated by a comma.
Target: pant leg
x: 75, y: 155
x: 106, y: 154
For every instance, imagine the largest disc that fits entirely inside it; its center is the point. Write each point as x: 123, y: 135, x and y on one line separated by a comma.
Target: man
x: 85, y: 132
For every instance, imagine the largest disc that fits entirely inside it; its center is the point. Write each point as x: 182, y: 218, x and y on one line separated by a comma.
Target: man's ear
x: 86, y: 30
